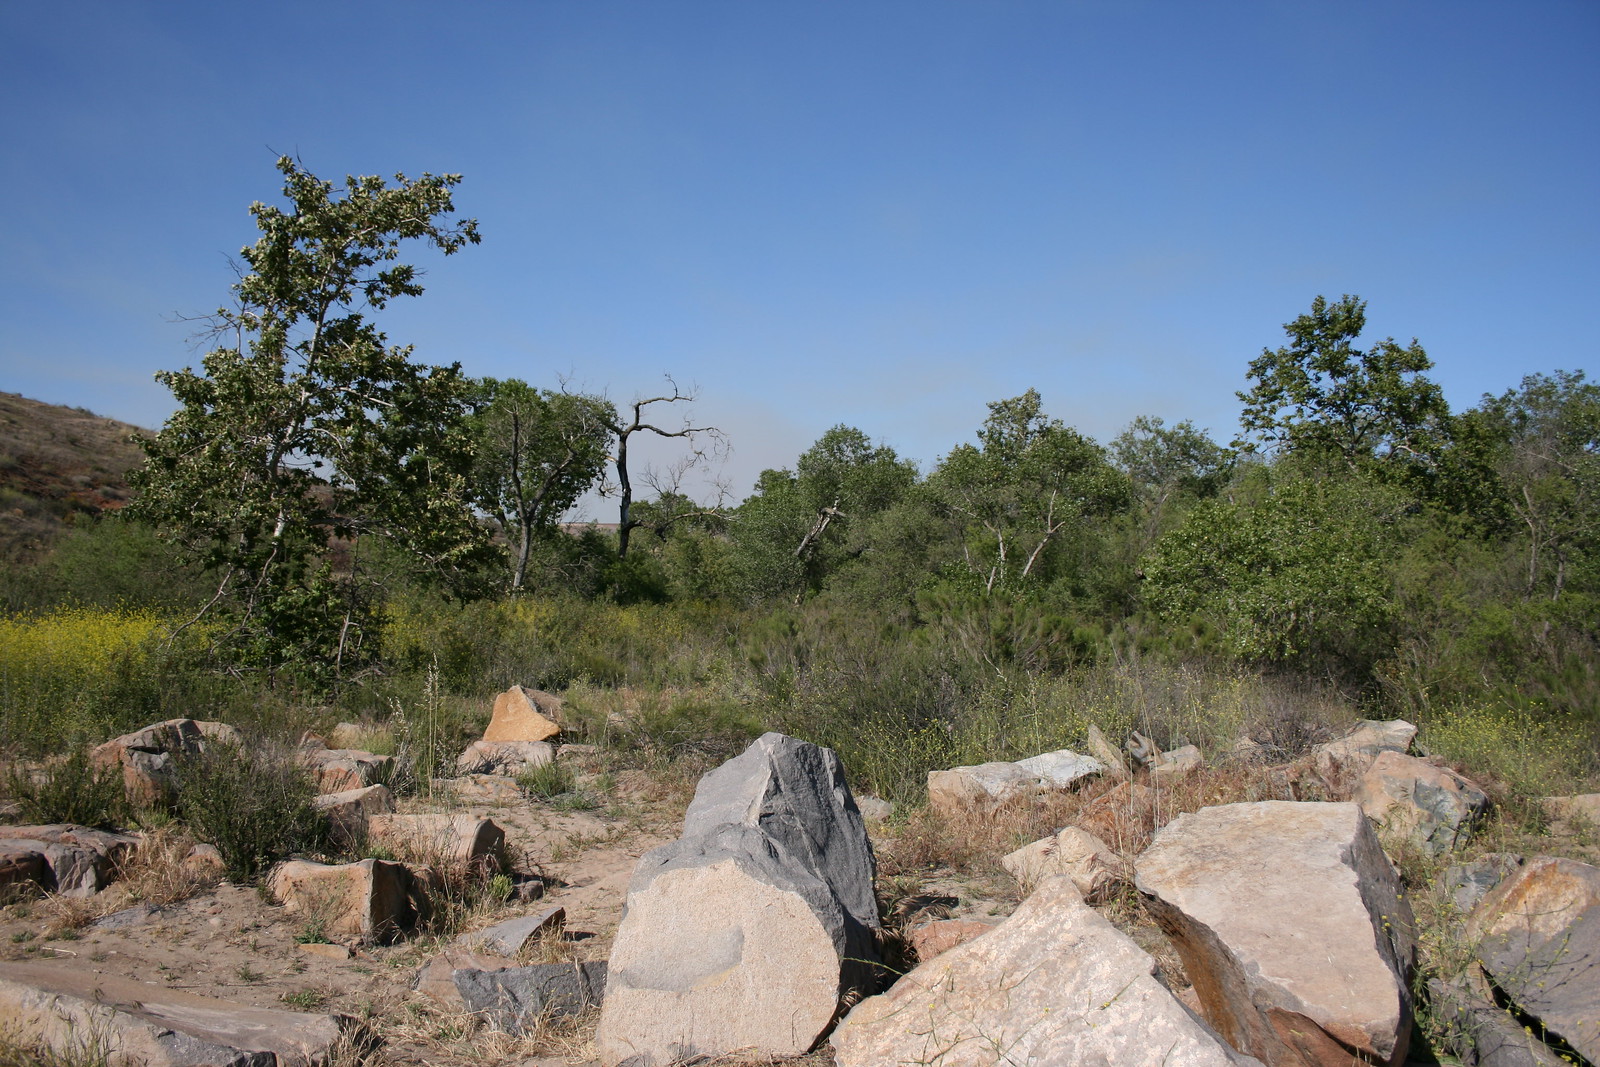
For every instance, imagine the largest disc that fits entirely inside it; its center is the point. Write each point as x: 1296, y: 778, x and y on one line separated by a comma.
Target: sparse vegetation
x: 253, y: 805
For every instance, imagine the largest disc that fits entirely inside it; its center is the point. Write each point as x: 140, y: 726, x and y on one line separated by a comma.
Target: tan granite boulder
x: 509, y: 758
x: 349, y: 811
x: 1055, y: 983
x: 941, y: 935
x: 964, y: 791
x: 1351, y: 755
x: 1289, y: 920
x: 524, y: 715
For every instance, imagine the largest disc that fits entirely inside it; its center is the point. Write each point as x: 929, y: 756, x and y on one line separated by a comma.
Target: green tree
x: 1323, y: 399
x: 1029, y: 483
x: 310, y: 426
x: 537, y: 452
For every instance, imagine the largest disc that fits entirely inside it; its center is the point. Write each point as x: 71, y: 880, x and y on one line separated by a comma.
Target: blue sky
x: 881, y: 214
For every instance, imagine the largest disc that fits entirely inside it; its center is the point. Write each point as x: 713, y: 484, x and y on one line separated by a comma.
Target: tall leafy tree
x: 1322, y: 398
x: 537, y: 452
x: 306, y: 425
x: 1029, y: 483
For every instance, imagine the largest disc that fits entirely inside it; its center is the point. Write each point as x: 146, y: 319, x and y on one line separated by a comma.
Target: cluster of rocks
x: 755, y: 930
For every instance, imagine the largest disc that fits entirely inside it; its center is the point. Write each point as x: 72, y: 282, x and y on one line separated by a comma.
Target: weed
x: 547, y: 780
x: 254, y: 805
x: 70, y: 789
x: 247, y: 973
x: 306, y: 999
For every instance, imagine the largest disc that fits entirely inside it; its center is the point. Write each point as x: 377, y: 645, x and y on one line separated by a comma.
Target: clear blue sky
x: 881, y: 214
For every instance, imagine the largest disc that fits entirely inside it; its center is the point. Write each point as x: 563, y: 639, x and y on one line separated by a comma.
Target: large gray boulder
x: 749, y: 930
x: 1419, y: 805
x: 1290, y: 923
x: 80, y: 861
x: 1055, y: 983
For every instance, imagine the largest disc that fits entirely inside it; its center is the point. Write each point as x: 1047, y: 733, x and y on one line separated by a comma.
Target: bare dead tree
x: 688, y: 431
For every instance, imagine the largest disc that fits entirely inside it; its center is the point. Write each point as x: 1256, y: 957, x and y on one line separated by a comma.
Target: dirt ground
x: 231, y: 942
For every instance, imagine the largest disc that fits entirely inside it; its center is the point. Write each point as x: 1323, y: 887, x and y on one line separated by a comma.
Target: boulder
x: 1289, y: 920
x: 941, y: 935
x: 514, y: 999
x: 524, y: 715
x: 204, y: 863
x: 1055, y: 983
x: 1179, y: 763
x: 1352, y: 754
x: 508, y: 758
x: 21, y: 863
x: 875, y: 809
x: 977, y: 790
x: 63, y: 1008
x: 1101, y: 748
x: 436, y: 978
x: 80, y: 861
x: 348, y: 811
x: 1467, y: 883
x: 1094, y: 868
x: 1538, y: 936
x: 1417, y: 804
x: 146, y: 755
x: 338, y: 770
x: 507, y: 938
x: 1493, y: 1034
x: 751, y: 929
x: 453, y: 839
x: 1062, y: 768
x: 365, y: 901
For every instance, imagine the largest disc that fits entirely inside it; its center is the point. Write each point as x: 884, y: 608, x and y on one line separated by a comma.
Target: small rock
x: 524, y: 715
x: 1094, y: 868
x: 369, y: 901
x: 963, y: 791
x: 325, y: 949
x: 508, y: 938
x: 1467, y: 883
x: 436, y: 978
x: 1062, y: 768
x: 459, y: 839
x: 941, y: 935
x: 874, y: 809
x: 1178, y: 763
x: 137, y: 915
x: 514, y: 998
x: 1143, y: 749
x: 1101, y: 748
x: 508, y: 758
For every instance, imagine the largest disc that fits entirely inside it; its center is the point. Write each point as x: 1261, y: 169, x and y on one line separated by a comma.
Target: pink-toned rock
x: 1414, y: 803
x: 349, y: 811
x: 60, y: 1008
x: 204, y: 862
x: 941, y: 935
x: 524, y: 715
x: 20, y: 863
x: 433, y: 839
x: 1538, y: 937
x: 146, y: 755
x: 1092, y: 865
x: 1290, y: 924
x: 1179, y: 763
x: 1055, y: 983
x: 366, y: 901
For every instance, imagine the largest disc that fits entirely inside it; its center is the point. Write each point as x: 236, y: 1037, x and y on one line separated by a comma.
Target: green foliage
x: 1302, y: 572
x: 547, y: 780
x: 253, y: 804
x: 69, y: 789
x: 536, y: 453
x: 1324, y: 399
x: 315, y: 427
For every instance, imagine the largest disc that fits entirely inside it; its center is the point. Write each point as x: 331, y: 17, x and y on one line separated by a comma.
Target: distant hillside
x: 55, y: 463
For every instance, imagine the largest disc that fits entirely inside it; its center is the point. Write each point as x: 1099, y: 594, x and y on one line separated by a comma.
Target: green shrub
x: 546, y: 781
x: 254, y: 805
x: 71, y: 790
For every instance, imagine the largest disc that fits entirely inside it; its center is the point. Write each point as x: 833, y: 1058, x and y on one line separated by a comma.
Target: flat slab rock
x: 514, y: 998
x: 1290, y: 925
x: 1055, y: 983
x: 54, y: 1006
